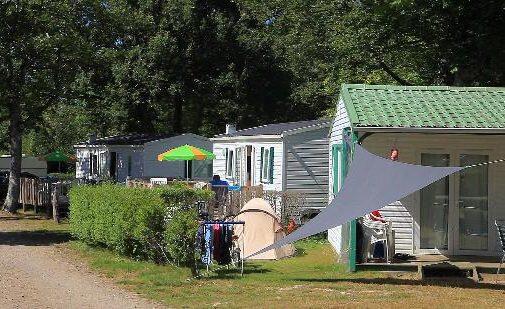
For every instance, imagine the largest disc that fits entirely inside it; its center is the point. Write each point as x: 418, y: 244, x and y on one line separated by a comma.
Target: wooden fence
x: 34, y: 192
x: 43, y: 193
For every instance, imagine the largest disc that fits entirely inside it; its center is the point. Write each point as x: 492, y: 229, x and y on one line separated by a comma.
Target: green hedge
x: 137, y: 222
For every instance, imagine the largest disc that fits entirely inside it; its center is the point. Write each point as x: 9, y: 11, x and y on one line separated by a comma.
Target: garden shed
x: 282, y: 156
x: 135, y: 156
x: 435, y: 126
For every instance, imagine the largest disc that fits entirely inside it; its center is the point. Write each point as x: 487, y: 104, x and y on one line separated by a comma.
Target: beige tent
x: 262, y: 228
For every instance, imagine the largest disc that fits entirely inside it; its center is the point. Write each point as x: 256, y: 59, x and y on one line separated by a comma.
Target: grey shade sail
x: 372, y: 183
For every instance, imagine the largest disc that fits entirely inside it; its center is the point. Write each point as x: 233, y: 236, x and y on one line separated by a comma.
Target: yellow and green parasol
x: 186, y: 153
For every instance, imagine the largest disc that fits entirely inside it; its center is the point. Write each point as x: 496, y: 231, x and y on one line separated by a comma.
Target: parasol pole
x: 187, y: 172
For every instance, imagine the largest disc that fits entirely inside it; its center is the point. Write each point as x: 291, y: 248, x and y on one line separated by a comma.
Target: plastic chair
x: 377, y: 231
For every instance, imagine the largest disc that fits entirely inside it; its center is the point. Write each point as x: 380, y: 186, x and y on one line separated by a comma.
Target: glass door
x: 472, y: 205
x: 434, y: 210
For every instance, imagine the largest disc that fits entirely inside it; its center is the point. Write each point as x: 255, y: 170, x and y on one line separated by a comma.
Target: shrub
x: 180, y: 237
x: 134, y: 221
x: 182, y: 226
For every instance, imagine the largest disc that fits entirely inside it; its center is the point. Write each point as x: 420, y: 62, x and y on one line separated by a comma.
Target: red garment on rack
x: 217, y: 241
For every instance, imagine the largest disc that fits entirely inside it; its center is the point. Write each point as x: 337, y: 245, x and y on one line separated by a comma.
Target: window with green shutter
x: 267, y: 165
x: 271, y: 166
x: 229, y: 163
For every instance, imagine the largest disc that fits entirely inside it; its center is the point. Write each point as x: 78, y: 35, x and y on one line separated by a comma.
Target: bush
x: 181, y: 229
x: 180, y: 237
x: 135, y: 221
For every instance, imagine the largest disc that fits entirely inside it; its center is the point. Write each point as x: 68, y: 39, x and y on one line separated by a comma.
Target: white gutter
x: 430, y: 130
x: 107, y: 146
x: 305, y: 129
x: 245, y: 137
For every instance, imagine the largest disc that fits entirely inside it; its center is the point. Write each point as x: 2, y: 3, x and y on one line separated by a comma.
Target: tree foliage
x: 70, y: 68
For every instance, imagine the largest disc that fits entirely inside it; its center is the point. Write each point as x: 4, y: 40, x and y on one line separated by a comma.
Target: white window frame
x: 230, y: 163
x: 265, y: 161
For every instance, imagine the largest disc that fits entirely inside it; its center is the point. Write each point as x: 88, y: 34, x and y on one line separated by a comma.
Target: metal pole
x: 243, y: 252
x: 187, y: 171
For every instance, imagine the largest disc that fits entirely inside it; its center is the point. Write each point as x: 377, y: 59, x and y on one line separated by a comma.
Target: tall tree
x: 191, y: 66
x: 37, y: 41
x: 422, y: 42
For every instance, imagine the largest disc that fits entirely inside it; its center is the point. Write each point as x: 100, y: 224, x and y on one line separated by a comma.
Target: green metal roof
x: 424, y: 106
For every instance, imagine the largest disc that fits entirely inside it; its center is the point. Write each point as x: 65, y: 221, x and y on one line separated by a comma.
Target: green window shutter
x: 226, y: 163
x: 261, y: 163
x: 336, y: 168
x: 271, y: 161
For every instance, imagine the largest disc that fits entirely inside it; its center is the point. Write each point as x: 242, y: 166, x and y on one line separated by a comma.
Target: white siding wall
x: 153, y: 168
x: 307, y: 166
x: 219, y: 164
x: 82, y: 169
x: 82, y: 165
x: 338, y: 237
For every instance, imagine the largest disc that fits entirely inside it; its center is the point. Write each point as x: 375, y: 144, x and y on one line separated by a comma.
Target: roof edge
x: 349, y: 106
x: 307, y: 128
x: 430, y: 130
x: 427, y: 88
x: 245, y: 137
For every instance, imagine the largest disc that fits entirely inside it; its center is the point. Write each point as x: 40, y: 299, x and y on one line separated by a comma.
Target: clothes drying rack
x: 241, y: 247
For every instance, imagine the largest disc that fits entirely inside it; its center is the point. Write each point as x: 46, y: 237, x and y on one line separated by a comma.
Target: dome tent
x: 262, y: 228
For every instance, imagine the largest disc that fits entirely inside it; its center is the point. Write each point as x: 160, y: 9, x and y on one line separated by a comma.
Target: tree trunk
x: 12, y: 200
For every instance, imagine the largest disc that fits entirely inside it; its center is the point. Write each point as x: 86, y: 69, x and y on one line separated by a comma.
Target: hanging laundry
x: 226, y: 243
x: 207, y: 245
x: 217, y: 241
x: 214, y: 241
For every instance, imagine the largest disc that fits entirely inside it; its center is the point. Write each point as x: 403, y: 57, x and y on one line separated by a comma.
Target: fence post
x: 54, y: 201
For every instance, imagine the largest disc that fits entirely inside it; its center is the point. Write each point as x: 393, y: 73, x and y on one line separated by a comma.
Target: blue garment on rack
x: 207, y: 253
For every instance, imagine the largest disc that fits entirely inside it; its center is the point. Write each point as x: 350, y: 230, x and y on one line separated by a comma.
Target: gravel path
x: 36, y: 273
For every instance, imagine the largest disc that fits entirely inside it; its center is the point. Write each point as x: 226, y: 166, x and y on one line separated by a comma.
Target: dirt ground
x: 35, y: 273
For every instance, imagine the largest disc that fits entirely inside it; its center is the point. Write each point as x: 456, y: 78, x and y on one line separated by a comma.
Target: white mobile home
x: 135, y: 156
x: 282, y: 156
x: 435, y: 126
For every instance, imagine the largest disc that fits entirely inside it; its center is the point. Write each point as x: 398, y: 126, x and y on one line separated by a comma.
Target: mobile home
x: 135, y: 156
x: 435, y: 126
x: 281, y: 156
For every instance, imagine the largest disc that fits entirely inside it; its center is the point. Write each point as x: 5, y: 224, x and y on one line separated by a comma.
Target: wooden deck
x: 436, y: 265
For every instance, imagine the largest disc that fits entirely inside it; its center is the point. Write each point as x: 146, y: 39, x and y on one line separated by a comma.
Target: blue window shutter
x: 271, y: 159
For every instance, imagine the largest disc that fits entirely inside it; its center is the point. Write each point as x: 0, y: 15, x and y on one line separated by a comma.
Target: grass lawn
x: 311, y: 279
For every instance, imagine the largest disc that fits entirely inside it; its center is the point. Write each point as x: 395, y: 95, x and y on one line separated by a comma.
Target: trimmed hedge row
x: 137, y: 222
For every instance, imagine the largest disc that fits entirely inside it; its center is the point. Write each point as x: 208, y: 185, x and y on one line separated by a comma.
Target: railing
x: 154, y: 182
